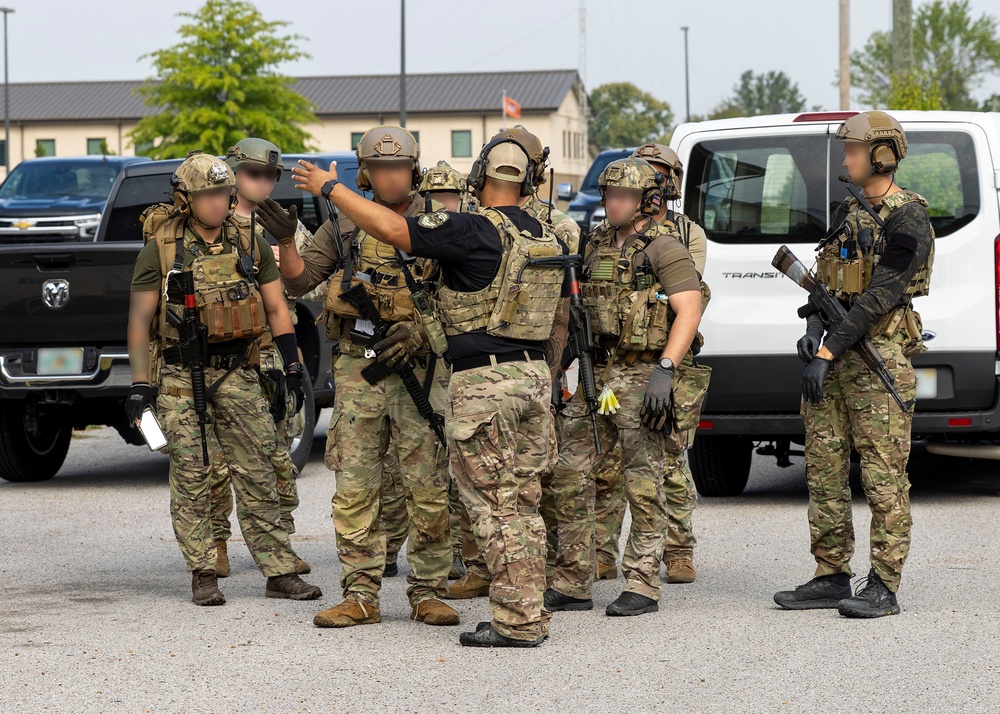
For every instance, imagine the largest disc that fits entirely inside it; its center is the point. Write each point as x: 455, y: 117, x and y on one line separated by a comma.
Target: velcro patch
x: 430, y: 221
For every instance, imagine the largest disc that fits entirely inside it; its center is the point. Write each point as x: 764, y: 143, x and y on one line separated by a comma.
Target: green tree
x: 910, y: 91
x: 951, y: 52
x: 756, y: 94
x: 220, y: 84
x: 624, y: 115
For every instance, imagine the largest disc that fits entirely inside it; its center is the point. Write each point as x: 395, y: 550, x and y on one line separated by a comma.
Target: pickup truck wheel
x: 720, y: 465
x: 302, y: 444
x: 29, y: 454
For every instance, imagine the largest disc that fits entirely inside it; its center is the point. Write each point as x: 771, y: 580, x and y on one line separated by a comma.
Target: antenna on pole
x: 582, y: 60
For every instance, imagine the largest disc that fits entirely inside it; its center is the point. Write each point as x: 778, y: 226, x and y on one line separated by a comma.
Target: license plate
x: 60, y: 360
x: 926, y: 383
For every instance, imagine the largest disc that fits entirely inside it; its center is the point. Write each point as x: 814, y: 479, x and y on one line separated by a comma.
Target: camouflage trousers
x: 367, y: 421
x: 243, y: 430
x: 857, y: 411
x: 500, y: 427
x: 645, y: 458
x: 394, y: 519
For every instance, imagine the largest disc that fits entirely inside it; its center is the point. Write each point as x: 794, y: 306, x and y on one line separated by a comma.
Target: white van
x: 757, y: 183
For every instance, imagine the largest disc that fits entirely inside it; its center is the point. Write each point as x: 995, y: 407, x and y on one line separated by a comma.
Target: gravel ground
x: 96, y: 617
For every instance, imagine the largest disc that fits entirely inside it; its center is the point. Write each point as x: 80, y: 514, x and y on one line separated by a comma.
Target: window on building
x: 356, y: 139
x: 416, y: 135
x: 45, y: 147
x: 3, y: 151
x: 97, y: 146
x: 461, y: 143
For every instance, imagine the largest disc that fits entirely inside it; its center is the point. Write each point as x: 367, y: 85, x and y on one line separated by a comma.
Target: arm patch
x: 899, y: 252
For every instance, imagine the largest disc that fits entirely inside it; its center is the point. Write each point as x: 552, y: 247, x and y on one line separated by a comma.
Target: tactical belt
x: 460, y: 365
x: 226, y: 357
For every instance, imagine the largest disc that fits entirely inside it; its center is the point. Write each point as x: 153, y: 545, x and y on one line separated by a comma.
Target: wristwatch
x: 666, y: 363
x: 328, y: 187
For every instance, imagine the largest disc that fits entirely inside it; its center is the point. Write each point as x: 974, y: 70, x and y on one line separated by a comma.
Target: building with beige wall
x: 453, y: 115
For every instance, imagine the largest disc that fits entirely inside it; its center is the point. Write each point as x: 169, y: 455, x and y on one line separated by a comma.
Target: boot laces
x: 871, y: 588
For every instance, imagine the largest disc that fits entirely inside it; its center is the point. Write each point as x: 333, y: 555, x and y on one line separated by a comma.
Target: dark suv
x: 587, y: 200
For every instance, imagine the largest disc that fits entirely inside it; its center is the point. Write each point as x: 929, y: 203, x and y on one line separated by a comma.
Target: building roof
x: 541, y: 90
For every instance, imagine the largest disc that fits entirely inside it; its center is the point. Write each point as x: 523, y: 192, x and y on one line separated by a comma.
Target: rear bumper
x: 925, y: 424
x: 106, y: 373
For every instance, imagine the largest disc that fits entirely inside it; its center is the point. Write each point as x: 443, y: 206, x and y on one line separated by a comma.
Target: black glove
x: 402, y: 341
x: 293, y: 386
x: 657, y: 398
x: 140, y: 396
x: 809, y: 344
x: 277, y: 221
x: 813, y: 378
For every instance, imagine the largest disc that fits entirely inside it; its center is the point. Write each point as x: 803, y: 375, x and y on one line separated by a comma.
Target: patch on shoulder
x: 430, y: 221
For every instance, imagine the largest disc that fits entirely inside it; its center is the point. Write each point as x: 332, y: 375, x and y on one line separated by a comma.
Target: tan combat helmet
x: 637, y: 174
x: 532, y: 145
x: 200, y: 172
x: 386, y: 143
x: 884, y: 136
x: 661, y: 155
x: 442, y: 178
x: 256, y: 152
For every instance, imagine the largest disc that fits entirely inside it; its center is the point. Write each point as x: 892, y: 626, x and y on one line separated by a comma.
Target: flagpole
x: 504, y: 109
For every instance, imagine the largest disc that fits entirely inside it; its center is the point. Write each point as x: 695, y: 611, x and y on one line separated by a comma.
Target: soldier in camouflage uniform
x: 257, y: 166
x: 679, y: 489
x: 642, y: 291
x: 199, y: 237
x: 497, y: 312
x: 365, y: 415
x: 875, y: 268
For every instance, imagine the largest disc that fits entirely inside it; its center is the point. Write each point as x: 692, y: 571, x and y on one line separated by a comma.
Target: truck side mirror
x: 565, y: 192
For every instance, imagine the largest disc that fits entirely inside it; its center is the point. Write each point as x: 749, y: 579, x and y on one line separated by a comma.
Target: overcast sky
x: 626, y: 40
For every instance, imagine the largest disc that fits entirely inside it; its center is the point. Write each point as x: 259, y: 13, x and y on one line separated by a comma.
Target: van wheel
x: 306, y: 420
x: 30, y: 449
x: 720, y: 465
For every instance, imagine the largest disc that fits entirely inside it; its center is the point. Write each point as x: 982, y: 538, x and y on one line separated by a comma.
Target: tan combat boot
x: 221, y: 559
x: 467, y: 587
x: 205, y: 588
x: 680, y: 570
x: 606, y: 571
x: 434, y: 612
x: 348, y: 614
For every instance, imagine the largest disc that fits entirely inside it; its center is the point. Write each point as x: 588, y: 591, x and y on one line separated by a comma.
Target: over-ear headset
x: 477, y: 176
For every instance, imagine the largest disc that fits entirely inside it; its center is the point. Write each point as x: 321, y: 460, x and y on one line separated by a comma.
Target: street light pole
x: 687, y: 86
x: 6, y: 95
x: 402, y: 63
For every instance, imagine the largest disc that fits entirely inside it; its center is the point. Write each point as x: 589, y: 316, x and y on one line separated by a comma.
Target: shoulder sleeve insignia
x: 433, y: 220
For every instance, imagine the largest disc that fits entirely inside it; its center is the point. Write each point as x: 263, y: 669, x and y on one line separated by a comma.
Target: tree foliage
x: 221, y: 83
x: 624, y: 115
x: 756, y: 94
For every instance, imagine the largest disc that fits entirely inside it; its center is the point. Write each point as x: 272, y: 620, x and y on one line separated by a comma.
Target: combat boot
x: 607, y: 571
x: 680, y: 570
x: 391, y: 570
x: 302, y: 567
x: 630, y: 603
x: 873, y: 599
x: 556, y: 601
x: 205, y: 588
x: 292, y: 587
x: 467, y: 587
x: 822, y: 592
x: 434, y: 612
x: 221, y: 559
x: 348, y: 614
x: 489, y: 637
x: 457, y: 569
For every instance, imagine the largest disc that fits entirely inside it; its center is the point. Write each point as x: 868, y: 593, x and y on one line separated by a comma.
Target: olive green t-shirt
x: 147, y: 275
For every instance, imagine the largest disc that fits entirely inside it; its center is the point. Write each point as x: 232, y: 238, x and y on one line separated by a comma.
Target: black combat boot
x: 823, y: 592
x: 629, y: 603
x: 873, y: 599
x: 489, y: 637
x: 555, y: 601
x: 391, y: 570
x: 205, y: 588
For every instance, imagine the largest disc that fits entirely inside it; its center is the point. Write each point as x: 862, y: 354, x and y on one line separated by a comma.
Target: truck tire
x: 26, y: 457
x: 720, y: 465
x: 302, y: 444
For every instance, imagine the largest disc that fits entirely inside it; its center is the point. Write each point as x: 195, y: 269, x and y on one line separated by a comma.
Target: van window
x: 759, y: 189
x: 941, y: 167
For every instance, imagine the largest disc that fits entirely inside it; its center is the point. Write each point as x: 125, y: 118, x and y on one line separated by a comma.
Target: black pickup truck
x: 64, y: 309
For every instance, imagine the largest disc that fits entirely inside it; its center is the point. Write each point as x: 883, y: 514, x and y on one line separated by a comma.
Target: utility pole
x: 902, y: 37
x: 402, y: 63
x: 6, y: 95
x: 687, y: 79
x: 845, y: 55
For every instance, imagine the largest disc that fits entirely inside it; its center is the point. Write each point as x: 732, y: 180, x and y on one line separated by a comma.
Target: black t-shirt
x: 468, y: 248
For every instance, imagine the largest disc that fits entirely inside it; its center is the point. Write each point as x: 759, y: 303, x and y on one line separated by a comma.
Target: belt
x: 226, y: 359
x: 460, y: 365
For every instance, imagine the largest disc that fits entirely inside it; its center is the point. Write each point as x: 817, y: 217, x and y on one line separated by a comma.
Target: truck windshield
x: 59, y: 179
x: 600, y: 163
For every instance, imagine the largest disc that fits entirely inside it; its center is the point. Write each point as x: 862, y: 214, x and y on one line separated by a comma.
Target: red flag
x: 512, y: 108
